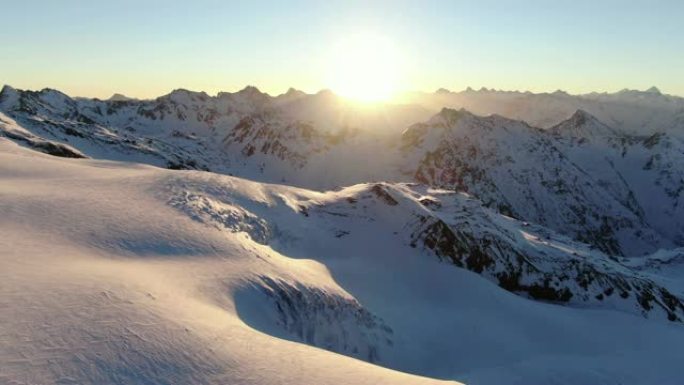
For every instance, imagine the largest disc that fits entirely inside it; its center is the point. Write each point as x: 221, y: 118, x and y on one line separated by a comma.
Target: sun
x: 365, y: 67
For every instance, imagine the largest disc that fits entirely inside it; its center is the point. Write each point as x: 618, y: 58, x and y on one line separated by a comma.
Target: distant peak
x: 293, y: 92
x: 326, y: 93
x: 582, y: 113
x: 250, y: 90
x: 442, y: 91
x: 7, y: 88
x: 253, y: 94
x: 447, y: 110
x: 48, y: 90
x: 653, y: 90
x: 452, y: 115
x: 119, y: 98
x: 183, y: 91
x: 8, y: 93
x: 582, y: 124
x: 582, y: 117
x: 180, y: 93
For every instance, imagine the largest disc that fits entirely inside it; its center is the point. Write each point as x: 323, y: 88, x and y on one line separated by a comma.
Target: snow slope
x: 124, y: 273
x: 103, y: 282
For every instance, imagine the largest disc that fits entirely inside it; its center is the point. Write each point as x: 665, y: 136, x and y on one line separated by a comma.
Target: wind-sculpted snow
x: 223, y: 216
x: 316, y: 317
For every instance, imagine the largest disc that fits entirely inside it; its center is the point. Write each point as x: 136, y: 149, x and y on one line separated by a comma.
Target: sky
x: 148, y: 48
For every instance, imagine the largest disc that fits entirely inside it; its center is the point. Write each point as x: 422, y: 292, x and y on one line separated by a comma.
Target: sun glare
x: 365, y: 67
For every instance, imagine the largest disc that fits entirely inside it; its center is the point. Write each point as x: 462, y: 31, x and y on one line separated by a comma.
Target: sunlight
x: 365, y: 67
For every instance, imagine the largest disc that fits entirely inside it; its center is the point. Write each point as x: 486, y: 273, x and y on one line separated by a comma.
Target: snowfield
x: 122, y: 273
x: 104, y: 282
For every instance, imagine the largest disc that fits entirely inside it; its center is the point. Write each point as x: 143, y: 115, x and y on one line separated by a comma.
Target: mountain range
x: 603, y: 185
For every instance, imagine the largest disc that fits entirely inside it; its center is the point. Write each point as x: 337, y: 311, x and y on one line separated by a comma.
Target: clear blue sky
x: 147, y: 48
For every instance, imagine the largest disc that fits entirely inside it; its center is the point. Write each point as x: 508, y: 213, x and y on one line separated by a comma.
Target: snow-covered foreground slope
x: 104, y: 282
x: 122, y: 273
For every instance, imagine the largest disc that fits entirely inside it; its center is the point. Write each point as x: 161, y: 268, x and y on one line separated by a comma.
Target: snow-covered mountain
x: 583, y: 178
x: 580, y: 177
x: 644, y: 172
x: 294, y: 137
x: 630, y: 111
x: 522, y: 258
x: 124, y: 273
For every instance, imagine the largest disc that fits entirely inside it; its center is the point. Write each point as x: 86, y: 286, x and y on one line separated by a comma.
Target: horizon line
x: 651, y: 90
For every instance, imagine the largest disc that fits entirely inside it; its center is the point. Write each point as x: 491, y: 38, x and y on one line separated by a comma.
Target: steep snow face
x: 121, y: 273
x: 525, y: 172
x: 11, y: 130
x: 645, y: 173
x: 532, y: 261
